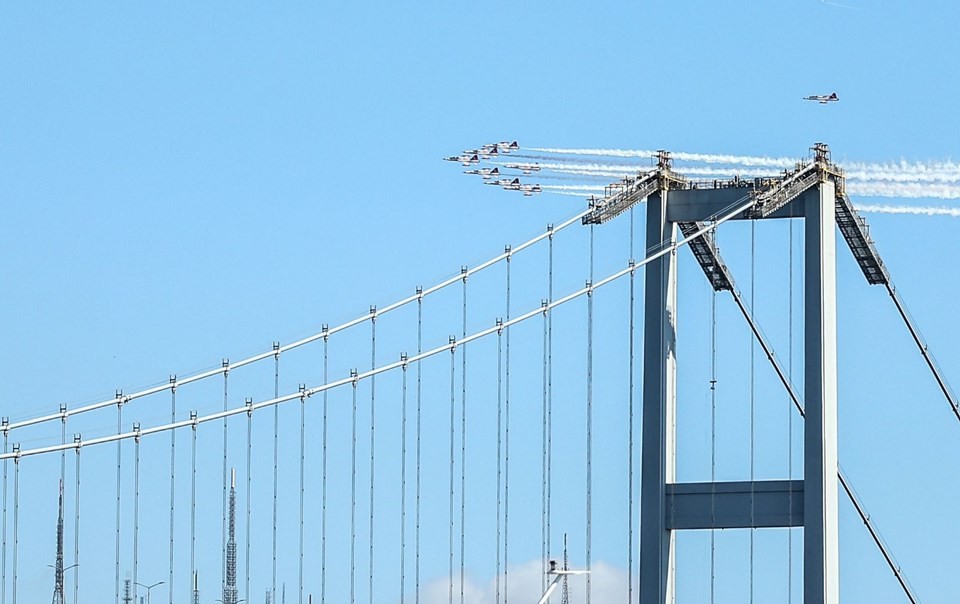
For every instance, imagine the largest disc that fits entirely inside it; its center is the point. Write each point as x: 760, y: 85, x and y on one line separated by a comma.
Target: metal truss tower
x: 230, y: 587
x: 813, y: 191
x: 58, y: 567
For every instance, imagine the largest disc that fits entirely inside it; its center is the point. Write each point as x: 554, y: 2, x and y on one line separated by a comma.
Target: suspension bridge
x: 528, y: 408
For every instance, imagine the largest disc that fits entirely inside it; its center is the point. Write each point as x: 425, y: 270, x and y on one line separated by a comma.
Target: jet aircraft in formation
x: 525, y: 168
x: 823, y: 99
x: 466, y: 158
x: 475, y: 156
x: 514, y: 184
x: 485, y: 173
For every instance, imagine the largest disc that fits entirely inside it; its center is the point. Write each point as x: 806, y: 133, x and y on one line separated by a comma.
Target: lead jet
x: 525, y: 168
x: 507, y: 146
x: 823, y: 99
x: 485, y: 173
x: 466, y: 159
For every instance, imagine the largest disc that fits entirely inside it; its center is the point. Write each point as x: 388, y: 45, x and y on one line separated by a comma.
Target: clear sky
x: 183, y: 183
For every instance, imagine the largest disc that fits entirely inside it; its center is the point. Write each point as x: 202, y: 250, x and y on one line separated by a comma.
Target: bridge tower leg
x: 666, y: 505
x: 658, y: 455
x: 821, y: 581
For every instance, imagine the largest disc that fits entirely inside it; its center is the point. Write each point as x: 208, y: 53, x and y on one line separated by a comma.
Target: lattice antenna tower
x: 230, y: 587
x: 196, y: 588
x: 127, y: 595
x: 58, y: 568
x: 565, y: 594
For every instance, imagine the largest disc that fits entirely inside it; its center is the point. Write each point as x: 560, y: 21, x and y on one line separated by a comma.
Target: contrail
x: 919, y: 211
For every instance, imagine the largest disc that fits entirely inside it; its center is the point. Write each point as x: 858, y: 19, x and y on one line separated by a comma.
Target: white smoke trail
x: 917, y: 211
x: 910, y: 190
x: 931, y: 171
x: 746, y: 160
x: 586, y: 188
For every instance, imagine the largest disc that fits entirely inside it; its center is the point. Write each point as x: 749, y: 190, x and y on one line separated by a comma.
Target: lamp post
x: 149, y: 588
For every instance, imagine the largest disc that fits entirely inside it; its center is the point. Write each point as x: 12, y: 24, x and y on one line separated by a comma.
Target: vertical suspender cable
x: 193, y: 498
x: 453, y: 373
x: 403, y: 476
x: 136, y: 503
x: 753, y: 288
x: 117, y: 546
x: 630, y: 392
x: 353, y: 492
x: 173, y: 465
x: 16, y: 516
x: 419, y: 410
x: 323, y: 473
x: 790, y: 417
x: 223, y: 541
x: 506, y: 446
x: 499, y: 446
x: 543, y: 460
x: 373, y: 425
x: 549, y: 379
x: 463, y: 436
x: 276, y: 463
x: 303, y: 425
x: 589, y: 507
x: 3, y: 555
x: 76, y: 527
x: 713, y: 440
x: 247, y: 522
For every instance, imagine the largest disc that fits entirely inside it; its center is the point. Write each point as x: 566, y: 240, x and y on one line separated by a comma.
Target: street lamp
x: 148, y: 588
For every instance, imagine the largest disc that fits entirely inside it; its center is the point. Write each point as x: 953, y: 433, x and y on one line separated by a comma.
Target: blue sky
x: 185, y: 183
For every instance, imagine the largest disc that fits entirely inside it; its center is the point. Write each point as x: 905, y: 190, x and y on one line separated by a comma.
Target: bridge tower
x: 814, y: 192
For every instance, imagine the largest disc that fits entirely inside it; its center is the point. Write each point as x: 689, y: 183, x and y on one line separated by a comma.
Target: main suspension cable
x: 661, y: 250
x: 188, y: 379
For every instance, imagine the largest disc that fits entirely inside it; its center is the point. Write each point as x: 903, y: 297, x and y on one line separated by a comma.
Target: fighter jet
x: 466, y: 158
x: 525, y: 168
x: 485, y: 173
x: 823, y: 99
x: 507, y: 146
x: 529, y: 190
x: 510, y: 184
